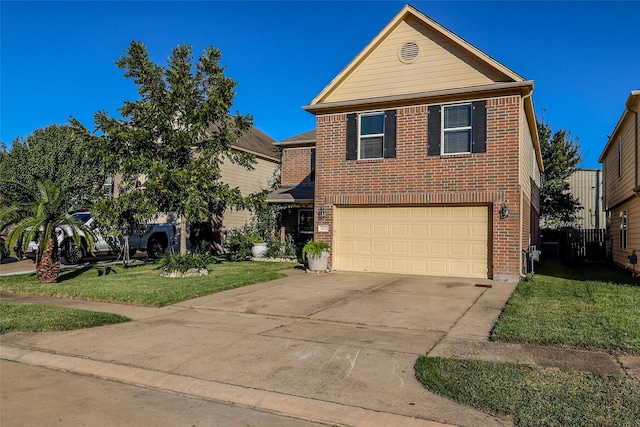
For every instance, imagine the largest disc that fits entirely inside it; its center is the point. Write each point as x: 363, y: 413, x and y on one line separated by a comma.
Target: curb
x: 306, y: 409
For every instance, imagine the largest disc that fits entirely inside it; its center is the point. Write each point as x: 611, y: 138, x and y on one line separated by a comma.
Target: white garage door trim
x: 436, y: 241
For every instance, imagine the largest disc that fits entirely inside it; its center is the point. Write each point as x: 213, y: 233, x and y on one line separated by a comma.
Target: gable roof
x: 437, y: 60
x: 632, y: 105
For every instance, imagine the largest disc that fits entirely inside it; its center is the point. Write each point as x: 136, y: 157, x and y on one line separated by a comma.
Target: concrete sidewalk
x: 335, y: 349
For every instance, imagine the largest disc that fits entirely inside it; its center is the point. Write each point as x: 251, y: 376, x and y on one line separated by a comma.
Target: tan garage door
x: 435, y: 241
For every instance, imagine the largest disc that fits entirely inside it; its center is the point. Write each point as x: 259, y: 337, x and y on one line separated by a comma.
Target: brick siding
x: 296, y: 166
x: 414, y: 178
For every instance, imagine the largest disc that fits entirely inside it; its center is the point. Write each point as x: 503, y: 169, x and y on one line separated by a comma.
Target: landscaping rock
x: 192, y: 272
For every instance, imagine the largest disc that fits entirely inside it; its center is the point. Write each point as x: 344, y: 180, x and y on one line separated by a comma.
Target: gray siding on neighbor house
x: 586, y: 185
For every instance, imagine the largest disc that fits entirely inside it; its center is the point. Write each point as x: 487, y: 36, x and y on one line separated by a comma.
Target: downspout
x: 636, y: 121
x: 598, y: 198
x: 524, y: 97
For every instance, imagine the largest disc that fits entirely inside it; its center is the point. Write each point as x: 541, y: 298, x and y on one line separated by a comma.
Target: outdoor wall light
x: 321, y: 212
x: 504, y: 211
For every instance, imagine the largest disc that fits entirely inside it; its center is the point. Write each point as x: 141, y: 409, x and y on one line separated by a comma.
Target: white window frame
x: 373, y: 135
x: 620, y: 158
x: 443, y: 131
x: 623, y: 229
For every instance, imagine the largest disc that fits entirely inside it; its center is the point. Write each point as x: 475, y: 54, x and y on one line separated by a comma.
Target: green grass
x: 534, y: 396
x: 16, y: 317
x: 142, y: 284
x: 586, y: 306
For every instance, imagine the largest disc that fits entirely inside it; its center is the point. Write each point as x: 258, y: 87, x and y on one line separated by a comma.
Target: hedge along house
x: 425, y: 159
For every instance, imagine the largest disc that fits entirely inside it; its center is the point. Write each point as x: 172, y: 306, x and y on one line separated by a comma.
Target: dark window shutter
x: 352, y: 137
x: 479, y: 127
x: 434, y: 130
x: 390, y: 134
x: 313, y: 164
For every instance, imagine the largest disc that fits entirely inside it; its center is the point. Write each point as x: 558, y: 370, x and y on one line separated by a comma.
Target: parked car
x: 154, y: 239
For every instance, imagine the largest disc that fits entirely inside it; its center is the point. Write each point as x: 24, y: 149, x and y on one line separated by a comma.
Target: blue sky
x: 57, y: 58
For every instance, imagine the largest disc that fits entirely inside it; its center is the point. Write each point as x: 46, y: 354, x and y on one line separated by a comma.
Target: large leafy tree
x: 560, y: 156
x: 56, y: 154
x: 37, y: 217
x: 176, y: 135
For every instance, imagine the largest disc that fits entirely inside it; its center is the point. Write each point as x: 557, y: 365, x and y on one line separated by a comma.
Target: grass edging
x: 574, y: 311
x: 534, y: 396
x: 142, y: 284
x: 21, y: 317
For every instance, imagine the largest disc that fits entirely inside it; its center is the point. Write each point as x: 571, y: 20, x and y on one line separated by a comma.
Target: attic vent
x: 408, y: 52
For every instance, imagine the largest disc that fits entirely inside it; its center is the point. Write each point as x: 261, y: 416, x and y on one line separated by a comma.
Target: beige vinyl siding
x: 249, y: 182
x: 440, y: 65
x: 617, y: 189
x: 436, y: 241
x: 529, y: 170
x: 620, y: 255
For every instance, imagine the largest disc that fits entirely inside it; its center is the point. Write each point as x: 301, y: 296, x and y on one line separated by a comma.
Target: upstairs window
x: 456, y: 129
x: 371, y: 137
x: 619, y: 158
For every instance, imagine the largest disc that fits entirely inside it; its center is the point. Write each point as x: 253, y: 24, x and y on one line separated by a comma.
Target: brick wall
x: 296, y: 166
x: 413, y: 177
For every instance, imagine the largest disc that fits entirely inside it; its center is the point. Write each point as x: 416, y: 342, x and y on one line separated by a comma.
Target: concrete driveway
x: 335, y: 348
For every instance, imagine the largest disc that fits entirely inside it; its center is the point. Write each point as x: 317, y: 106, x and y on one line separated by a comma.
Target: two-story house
x: 425, y: 159
x: 620, y: 158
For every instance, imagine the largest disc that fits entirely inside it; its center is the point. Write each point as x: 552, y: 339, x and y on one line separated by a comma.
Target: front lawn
x: 534, y: 396
x: 17, y: 317
x: 586, y: 306
x: 142, y: 284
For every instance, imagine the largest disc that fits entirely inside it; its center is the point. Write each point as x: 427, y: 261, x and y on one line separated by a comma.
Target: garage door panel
x: 438, y: 230
x: 444, y: 241
x: 362, y: 247
x: 381, y: 229
x: 459, y: 250
x: 419, y: 230
x: 460, y: 230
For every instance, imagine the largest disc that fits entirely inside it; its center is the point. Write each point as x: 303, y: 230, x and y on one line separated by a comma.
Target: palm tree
x: 37, y: 218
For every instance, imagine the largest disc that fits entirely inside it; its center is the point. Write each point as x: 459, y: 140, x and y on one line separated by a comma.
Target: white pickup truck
x: 154, y: 239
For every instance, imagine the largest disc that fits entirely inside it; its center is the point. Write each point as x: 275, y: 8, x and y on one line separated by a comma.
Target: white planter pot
x: 319, y: 263
x: 259, y: 250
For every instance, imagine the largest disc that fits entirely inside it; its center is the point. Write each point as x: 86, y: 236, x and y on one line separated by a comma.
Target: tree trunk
x: 183, y: 235
x: 216, y: 229
x: 48, y: 265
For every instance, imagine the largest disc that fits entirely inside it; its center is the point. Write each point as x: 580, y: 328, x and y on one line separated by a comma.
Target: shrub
x: 278, y: 249
x: 183, y: 263
x: 237, y: 244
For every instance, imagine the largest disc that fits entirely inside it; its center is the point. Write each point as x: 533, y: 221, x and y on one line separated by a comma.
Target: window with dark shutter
x: 459, y: 128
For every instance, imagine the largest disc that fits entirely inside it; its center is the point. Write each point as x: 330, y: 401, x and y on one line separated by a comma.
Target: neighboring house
x: 261, y: 178
x: 425, y: 159
x: 619, y: 160
x: 586, y: 186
